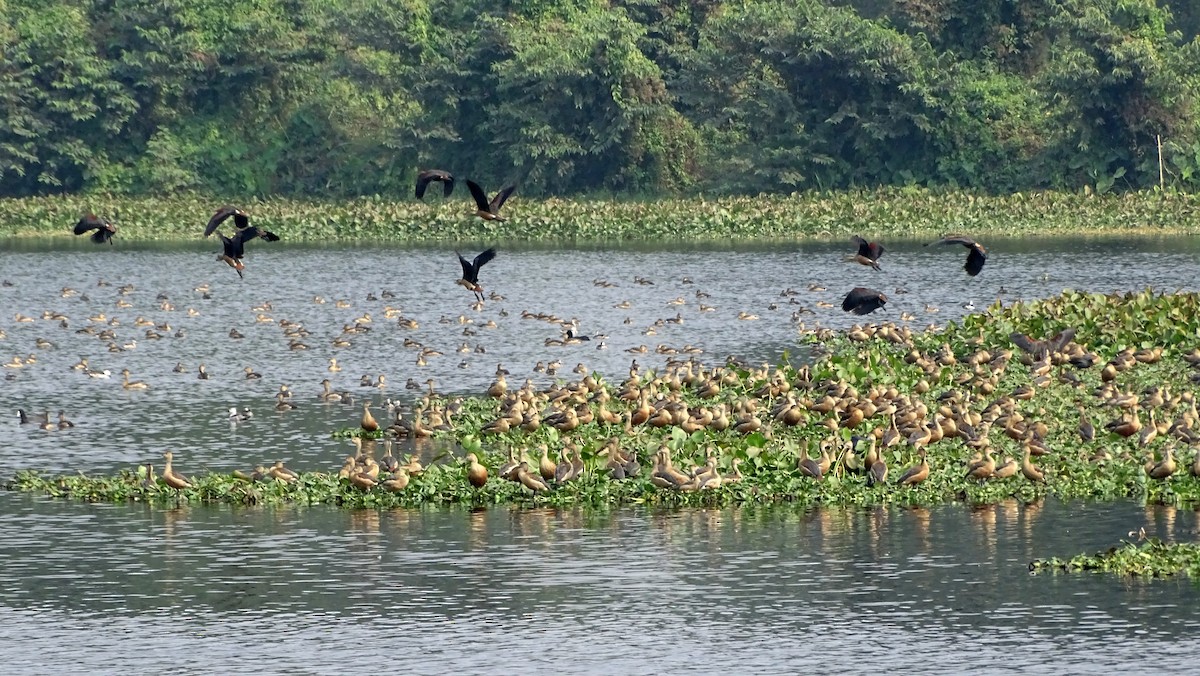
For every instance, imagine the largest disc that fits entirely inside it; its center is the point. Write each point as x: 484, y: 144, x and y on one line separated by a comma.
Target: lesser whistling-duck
x: 428, y: 176
x: 976, y: 256
x: 104, y: 228
x: 489, y: 211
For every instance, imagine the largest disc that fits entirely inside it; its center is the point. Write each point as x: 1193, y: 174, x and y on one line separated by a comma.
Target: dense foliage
x: 350, y: 97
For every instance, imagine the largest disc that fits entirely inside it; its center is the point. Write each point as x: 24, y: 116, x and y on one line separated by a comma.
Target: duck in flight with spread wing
x: 489, y: 211
x: 429, y: 176
x: 234, y: 248
x: 470, y: 271
x: 104, y: 228
x: 976, y: 257
x: 868, y: 252
x: 863, y: 301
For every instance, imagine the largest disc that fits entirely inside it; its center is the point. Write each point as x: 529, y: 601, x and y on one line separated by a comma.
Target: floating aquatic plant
x: 1151, y: 558
x: 1133, y: 357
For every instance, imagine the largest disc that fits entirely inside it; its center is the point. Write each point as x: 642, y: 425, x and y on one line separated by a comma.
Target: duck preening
x: 976, y: 257
x: 429, y: 176
x: 1040, y: 348
x: 488, y: 211
x: 863, y: 301
x: 104, y: 228
x: 470, y: 271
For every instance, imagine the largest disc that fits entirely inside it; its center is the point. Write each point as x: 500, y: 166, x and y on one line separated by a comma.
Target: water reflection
x: 754, y: 589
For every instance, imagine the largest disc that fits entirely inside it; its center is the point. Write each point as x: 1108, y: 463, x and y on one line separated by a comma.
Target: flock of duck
x: 887, y: 417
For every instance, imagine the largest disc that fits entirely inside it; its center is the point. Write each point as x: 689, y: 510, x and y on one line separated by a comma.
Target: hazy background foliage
x: 340, y: 98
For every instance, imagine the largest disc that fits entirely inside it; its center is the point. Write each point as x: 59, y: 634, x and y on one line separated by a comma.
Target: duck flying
x: 489, y: 211
x: 430, y: 175
x: 104, y: 228
x: 863, y: 301
x: 868, y: 252
x: 234, y: 248
x: 470, y: 271
x: 976, y: 257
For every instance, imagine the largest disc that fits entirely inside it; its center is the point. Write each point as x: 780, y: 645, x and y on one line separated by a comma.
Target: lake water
x: 321, y: 590
x: 133, y: 588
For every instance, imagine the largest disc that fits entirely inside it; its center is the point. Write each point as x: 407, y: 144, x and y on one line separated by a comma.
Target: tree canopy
x: 638, y: 97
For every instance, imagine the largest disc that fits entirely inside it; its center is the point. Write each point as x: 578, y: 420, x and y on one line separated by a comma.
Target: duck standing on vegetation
x: 104, y: 228
x: 489, y: 211
x: 172, y: 478
x: 976, y: 257
x: 429, y: 176
x: 477, y: 474
x: 470, y: 271
x: 868, y: 252
x: 368, y: 422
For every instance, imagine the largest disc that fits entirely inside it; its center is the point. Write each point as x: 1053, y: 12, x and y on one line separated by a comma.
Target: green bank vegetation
x: 886, y: 213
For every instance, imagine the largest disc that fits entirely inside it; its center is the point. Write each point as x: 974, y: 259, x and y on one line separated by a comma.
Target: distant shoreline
x: 878, y: 214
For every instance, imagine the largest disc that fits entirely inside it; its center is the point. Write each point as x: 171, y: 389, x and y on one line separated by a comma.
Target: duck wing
x: 469, y: 272
x: 481, y: 201
x: 862, y: 301
x: 864, y: 247
x: 223, y: 213
x: 482, y: 259
x: 428, y: 176
x: 1059, y: 340
x: 249, y: 233
x: 975, y: 260
x: 954, y: 239
x: 1025, y: 342
x: 500, y: 198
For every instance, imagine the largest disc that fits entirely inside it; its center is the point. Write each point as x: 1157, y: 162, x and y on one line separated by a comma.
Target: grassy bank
x: 962, y: 395
x: 884, y: 213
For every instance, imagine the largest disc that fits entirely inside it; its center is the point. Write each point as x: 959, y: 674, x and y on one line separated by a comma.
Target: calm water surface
x: 109, y: 587
x: 115, y: 587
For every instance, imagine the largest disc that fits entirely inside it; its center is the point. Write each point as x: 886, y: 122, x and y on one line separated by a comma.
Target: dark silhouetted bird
x: 868, y: 252
x: 104, y: 228
x: 976, y: 257
x: 234, y: 248
x: 863, y: 301
x: 470, y: 271
x: 488, y: 211
x: 429, y: 175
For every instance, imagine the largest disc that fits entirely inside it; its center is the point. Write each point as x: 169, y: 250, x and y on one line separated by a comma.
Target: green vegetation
x: 947, y: 393
x: 1152, y: 558
x: 895, y: 213
x: 344, y: 98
